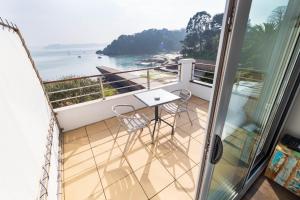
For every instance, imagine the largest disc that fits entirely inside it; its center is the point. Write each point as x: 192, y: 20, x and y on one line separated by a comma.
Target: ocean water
x: 54, y: 64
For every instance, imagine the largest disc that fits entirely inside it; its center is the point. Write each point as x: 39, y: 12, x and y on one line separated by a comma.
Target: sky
x: 44, y: 22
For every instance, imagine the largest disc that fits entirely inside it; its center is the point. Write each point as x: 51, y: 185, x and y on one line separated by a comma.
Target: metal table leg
x: 156, y: 118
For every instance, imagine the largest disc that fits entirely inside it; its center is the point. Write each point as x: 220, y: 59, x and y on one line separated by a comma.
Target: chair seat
x: 172, y: 108
x: 136, y: 121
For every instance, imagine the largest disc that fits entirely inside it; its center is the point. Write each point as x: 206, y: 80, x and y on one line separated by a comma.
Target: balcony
x: 98, y: 163
x: 101, y: 164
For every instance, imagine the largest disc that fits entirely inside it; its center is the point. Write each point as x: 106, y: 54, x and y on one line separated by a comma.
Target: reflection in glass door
x: 263, y: 67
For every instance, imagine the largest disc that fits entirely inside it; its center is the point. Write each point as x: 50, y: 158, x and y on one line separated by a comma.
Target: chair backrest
x: 184, y: 94
x: 121, y: 108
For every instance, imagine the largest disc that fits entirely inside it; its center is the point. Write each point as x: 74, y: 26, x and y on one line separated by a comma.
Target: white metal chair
x: 177, y: 107
x: 134, y: 122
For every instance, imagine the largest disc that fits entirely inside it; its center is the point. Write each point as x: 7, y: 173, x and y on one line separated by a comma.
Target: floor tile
x: 84, y: 186
x: 112, y: 122
x: 174, y: 192
x: 196, y: 129
x: 177, y: 163
x: 162, y: 146
x: 132, y: 142
x: 78, y: 164
x: 197, y: 100
x: 75, y: 147
x: 146, y: 137
x: 106, y: 152
x: 198, y: 108
x: 96, y: 127
x: 201, y: 138
x: 127, y: 139
x: 153, y: 178
x: 95, y: 157
x: 180, y: 136
x: 127, y: 188
x: 117, y: 131
x: 113, y: 170
x: 193, y: 149
x: 139, y: 157
x: 100, y: 137
x: 74, y: 135
x: 189, y: 181
x: 196, y: 115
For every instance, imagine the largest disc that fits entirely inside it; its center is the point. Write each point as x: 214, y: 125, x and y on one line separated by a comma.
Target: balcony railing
x: 76, y: 90
x: 203, y: 73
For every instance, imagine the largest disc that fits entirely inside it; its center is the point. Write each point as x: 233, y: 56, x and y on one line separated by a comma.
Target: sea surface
x: 54, y: 64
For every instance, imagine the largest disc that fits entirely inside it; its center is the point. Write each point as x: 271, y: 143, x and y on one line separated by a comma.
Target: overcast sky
x: 44, y: 22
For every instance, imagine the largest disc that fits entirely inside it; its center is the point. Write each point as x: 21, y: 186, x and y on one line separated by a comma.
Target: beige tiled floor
x: 101, y: 164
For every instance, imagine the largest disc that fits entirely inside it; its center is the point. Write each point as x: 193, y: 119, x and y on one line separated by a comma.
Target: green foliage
x: 203, y: 32
x: 147, y: 42
x: 202, y: 38
x: 71, y: 84
x: 260, y: 39
x: 258, y: 44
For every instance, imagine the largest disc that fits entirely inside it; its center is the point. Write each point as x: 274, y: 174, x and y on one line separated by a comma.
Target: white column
x: 186, y: 71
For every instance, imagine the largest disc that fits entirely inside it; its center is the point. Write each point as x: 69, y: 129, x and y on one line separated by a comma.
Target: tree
x: 277, y: 15
x: 260, y: 39
x: 146, y: 42
x: 202, y: 36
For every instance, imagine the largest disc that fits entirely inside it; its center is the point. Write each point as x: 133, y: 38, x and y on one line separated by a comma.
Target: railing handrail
x: 78, y: 90
x: 199, y: 63
x: 239, y: 69
x: 105, y: 74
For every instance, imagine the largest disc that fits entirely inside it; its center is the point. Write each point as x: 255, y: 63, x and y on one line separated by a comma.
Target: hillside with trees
x: 149, y: 41
x: 202, y: 36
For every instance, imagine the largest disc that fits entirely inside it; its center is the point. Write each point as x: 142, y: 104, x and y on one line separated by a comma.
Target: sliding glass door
x: 258, y: 62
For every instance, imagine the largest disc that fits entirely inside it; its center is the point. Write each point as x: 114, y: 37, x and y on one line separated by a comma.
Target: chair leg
x: 174, y: 123
x: 141, y: 131
x: 187, y: 112
x: 118, y: 131
x: 126, y: 145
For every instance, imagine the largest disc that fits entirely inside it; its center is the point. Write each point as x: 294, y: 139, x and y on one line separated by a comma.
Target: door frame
x: 231, y: 41
x: 235, y: 19
x: 278, y: 124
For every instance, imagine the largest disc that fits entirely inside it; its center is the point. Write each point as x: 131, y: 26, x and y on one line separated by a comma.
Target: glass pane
x: 267, y: 47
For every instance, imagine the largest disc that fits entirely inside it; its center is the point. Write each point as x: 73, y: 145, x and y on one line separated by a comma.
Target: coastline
x: 56, y: 64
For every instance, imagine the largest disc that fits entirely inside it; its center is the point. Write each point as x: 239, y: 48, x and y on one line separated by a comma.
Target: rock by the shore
x: 99, y: 52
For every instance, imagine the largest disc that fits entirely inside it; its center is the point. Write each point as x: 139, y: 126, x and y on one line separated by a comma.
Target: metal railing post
x: 101, y: 88
x: 148, y: 79
x: 193, y: 71
x: 179, y: 71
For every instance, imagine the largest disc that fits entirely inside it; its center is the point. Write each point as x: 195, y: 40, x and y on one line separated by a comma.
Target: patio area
x: 98, y: 163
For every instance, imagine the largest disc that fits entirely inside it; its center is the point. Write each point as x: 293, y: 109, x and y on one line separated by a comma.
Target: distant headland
x: 151, y: 41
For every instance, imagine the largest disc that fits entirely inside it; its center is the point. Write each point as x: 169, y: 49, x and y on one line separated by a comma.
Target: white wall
x: 292, y: 125
x: 24, y: 120
x: 204, y: 92
x: 201, y: 91
x: 75, y: 116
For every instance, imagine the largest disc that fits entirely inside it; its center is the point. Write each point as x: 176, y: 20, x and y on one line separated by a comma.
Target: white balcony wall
x: 201, y: 91
x: 75, y: 116
x: 25, y: 117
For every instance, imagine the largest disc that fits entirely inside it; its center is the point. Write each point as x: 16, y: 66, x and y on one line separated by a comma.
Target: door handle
x: 217, y: 150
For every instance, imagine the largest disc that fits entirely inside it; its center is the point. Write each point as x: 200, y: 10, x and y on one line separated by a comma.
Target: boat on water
x: 78, y: 56
x: 144, y: 63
